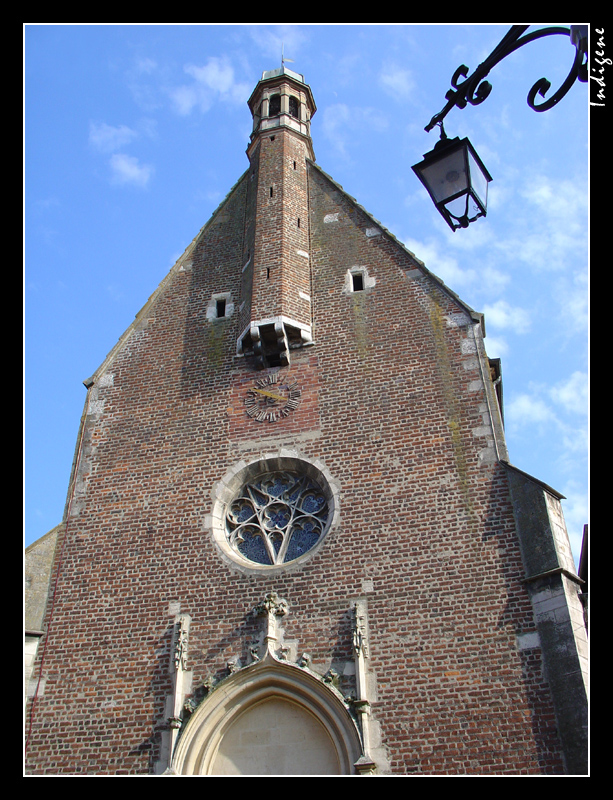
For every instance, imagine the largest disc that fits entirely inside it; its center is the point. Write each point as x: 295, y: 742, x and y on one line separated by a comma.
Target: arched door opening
x: 270, y: 718
x: 276, y: 737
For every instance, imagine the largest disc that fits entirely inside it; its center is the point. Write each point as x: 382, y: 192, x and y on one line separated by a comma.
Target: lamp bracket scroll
x: 474, y: 89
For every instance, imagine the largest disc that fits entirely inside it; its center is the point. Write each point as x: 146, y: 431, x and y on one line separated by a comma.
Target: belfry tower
x: 294, y: 543
x: 277, y: 276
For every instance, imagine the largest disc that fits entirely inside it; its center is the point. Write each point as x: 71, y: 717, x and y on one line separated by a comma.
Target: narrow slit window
x: 271, y: 191
x: 221, y: 307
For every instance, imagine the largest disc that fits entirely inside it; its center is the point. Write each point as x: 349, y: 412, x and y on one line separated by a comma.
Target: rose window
x: 276, y: 518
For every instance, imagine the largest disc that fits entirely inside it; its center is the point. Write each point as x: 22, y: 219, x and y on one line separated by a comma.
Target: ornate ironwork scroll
x: 474, y: 89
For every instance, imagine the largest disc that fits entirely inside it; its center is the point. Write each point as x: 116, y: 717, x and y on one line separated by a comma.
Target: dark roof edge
x: 545, y: 486
x: 477, y: 316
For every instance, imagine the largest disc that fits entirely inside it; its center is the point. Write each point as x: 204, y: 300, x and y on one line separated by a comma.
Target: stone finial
x: 272, y: 605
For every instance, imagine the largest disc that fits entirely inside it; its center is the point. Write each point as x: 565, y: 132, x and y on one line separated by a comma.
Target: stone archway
x: 271, y: 717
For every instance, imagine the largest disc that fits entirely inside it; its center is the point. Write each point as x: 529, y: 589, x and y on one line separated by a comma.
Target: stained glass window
x: 277, y: 517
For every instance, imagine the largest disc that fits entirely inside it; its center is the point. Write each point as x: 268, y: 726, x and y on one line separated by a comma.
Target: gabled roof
x: 178, y: 265
x: 185, y: 256
x: 474, y: 315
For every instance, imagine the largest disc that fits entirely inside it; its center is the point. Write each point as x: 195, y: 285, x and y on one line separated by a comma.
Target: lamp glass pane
x: 478, y: 180
x: 459, y: 207
x: 447, y: 176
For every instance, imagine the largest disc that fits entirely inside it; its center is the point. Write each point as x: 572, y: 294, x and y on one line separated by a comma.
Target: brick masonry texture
x: 394, y: 404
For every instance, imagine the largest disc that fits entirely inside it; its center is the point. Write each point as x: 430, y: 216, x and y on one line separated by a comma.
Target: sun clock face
x: 272, y: 398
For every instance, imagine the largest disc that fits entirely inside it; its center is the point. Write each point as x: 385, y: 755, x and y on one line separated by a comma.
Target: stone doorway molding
x: 269, y: 679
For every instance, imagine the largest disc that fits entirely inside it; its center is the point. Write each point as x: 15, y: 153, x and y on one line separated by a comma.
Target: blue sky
x: 135, y: 133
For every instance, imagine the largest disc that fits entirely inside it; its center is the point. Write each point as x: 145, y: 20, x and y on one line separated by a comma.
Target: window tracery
x: 276, y: 517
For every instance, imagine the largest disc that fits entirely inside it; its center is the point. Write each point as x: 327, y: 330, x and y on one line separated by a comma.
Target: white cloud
x: 495, y: 346
x: 546, y: 231
x: 525, y: 408
x: 143, y: 81
x: 439, y: 256
x: 341, y: 123
x: 335, y: 117
x: 562, y: 408
x: 272, y: 40
x: 216, y: 74
x: 109, y: 138
x: 571, y: 293
x: 554, y: 223
x: 184, y: 99
x: 145, y: 66
x: 493, y: 280
x: 502, y: 315
x: 573, y: 393
x: 127, y: 170
x: 575, y: 506
x: 288, y: 40
x: 576, y: 443
x: 441, y: 264
x: 213, y: 81
x: 397, y: 82
x: 558, y: 201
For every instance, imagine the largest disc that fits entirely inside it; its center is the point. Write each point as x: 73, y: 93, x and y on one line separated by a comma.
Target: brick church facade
x: 294, y: 543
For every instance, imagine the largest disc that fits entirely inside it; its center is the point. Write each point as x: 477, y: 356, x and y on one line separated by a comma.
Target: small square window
x: 357, y: 281
x: 220, y: 306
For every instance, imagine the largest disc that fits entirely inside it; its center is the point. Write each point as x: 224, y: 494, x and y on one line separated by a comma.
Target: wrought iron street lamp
x: 452, y: 172
x: 456, y: 179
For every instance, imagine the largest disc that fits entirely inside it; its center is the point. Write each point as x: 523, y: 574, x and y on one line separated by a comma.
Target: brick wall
x: 281, y: 283
x: 394, y: 404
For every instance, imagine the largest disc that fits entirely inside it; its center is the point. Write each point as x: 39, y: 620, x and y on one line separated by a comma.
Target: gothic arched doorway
x: 276, y: 737
x: 270, y: 718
